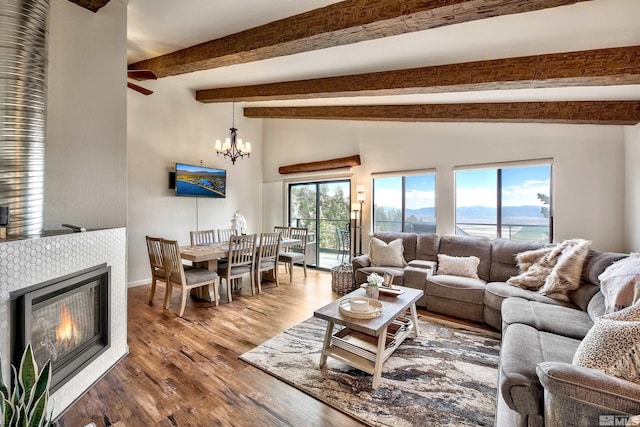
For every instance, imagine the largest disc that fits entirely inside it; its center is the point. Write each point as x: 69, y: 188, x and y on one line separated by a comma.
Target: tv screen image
x: 200, y: 181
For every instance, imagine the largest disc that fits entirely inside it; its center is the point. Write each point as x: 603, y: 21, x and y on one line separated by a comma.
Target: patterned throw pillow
x: 612, y: 345
x: 382, y: 254
x: 464, y: 266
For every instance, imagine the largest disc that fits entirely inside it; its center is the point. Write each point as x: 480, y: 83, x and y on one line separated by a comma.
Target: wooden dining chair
x: 203, y: 237
x: 240, y: 261
x: 154, y: 248
x: 284, y: 230
x: 268, y: 257
x: 224, y: 234
x: 186, y: 279
x: 297, y: 253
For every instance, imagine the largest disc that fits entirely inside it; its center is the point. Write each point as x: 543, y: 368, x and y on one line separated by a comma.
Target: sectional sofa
x: 540, y: 335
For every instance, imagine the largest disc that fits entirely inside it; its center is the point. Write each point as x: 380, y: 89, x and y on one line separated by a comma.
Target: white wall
x: 85, y: 166
x: 170, y: 126
x: 632, y: 217
x: 589, y: 163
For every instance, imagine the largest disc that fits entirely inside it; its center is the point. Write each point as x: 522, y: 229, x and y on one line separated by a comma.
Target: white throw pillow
x: 382, y: 254
x: 618, y: 283
x: 612, y: 345
x: 464, y: 266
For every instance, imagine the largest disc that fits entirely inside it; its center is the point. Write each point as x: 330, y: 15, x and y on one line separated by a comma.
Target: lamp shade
x: 355, y: 207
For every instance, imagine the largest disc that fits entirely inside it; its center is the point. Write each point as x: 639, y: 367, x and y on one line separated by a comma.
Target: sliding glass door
x: 323, y: 207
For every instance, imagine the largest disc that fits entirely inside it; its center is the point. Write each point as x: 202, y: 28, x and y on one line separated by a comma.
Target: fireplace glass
x: 61, y: 326
x: 66, y: 320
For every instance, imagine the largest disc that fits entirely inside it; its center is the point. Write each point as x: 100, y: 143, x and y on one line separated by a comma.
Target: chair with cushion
x: 154, y: 247
x: 296, y: 253
x: 268, y: 257
x: 240, y: 261
x: 203, y: 237
x: 186, y: 279
x: 224, y: 234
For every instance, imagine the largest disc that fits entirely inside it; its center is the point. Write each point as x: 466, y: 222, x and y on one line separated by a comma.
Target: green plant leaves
x: 27, y: 404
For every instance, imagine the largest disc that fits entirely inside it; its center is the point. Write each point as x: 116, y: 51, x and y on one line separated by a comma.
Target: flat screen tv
x: 199, y: 181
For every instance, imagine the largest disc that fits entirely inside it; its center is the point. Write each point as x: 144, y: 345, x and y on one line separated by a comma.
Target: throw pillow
x: 464, y: 266
x: 535, y: 266
x: 567, y: 272
x: 618, y: 283
x: 382, y: 254
x: 612, y: 345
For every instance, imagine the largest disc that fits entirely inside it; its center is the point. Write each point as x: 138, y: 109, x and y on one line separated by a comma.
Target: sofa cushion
x: 384, y: 254
x: 427, y: 246
x: 523, y: 347
x: 408, y: 242
x: 612, y: 346
x: 496, y: 292
x: 480, y: 247
x: 463, y: 266
x: 565, y: 321
x: 596, y: 263
x: 503, y: 257
x: 456, y: 288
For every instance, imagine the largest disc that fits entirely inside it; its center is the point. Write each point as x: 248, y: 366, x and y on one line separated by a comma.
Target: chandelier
x: 233, y: 146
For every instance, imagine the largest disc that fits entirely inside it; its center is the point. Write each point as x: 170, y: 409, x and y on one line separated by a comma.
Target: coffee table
x: 366, y: 344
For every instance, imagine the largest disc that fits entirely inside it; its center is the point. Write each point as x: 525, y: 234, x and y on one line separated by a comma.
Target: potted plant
x: 26, y: 403
x: 374, y: 281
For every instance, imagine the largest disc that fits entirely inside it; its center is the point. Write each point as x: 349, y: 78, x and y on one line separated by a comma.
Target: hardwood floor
x: 186, y: 371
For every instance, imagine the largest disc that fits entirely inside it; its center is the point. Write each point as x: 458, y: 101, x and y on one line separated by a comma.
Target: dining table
x: 207, y: 256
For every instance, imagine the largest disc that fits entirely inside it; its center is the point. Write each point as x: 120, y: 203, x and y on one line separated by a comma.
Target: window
x: 405, y: 203
x: 509, y: 202
x: 322, y: 207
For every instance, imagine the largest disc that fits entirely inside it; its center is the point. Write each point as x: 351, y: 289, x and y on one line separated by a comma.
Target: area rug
x: 446, y: 376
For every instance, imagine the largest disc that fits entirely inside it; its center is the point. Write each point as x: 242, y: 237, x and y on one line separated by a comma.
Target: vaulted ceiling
x: 566, y: 61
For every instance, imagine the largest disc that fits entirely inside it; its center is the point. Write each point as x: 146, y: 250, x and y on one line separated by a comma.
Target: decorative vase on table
x: 373, y: 285
x: 238, y: 222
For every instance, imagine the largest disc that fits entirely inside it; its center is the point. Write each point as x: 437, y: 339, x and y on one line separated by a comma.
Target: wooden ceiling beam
x: 601, y: 67
x: 92, y: 5
x: 342, y: 23
x: 573, y: 112
x: 322, y: 165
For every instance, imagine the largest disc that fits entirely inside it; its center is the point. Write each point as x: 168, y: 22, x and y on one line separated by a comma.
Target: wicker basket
x: 342, y: 279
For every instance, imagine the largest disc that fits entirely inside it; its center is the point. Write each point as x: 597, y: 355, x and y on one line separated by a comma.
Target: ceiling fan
x: 140, y: 75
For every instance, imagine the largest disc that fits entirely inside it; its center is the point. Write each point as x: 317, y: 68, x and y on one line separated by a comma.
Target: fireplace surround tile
x: 27, y: 262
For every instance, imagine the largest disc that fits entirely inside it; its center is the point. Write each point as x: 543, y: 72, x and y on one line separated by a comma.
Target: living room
x: 109, y: 149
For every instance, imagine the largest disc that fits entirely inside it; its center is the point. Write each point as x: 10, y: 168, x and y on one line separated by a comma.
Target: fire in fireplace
x: 65, y: 319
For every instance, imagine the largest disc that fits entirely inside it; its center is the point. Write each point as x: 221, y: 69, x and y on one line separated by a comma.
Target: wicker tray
x: 375, y: 309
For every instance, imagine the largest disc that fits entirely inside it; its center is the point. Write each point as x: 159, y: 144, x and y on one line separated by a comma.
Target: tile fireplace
x: 66, y: 319
x: 85, y: 266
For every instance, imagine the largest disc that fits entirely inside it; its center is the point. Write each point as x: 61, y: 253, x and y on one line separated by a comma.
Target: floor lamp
x: 357, y: 211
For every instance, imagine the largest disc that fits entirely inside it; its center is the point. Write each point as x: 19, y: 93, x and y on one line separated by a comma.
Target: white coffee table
x: 365, y: 343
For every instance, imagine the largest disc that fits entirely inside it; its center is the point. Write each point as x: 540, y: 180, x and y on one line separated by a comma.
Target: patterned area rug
x: 447, y: 376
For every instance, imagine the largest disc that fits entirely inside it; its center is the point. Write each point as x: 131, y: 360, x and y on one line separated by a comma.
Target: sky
x: 474, y: 188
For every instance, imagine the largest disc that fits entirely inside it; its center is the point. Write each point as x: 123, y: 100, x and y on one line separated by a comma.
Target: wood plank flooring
x: 186, y: 371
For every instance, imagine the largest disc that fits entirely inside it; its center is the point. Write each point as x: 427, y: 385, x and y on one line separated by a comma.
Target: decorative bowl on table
x: 360, y: 307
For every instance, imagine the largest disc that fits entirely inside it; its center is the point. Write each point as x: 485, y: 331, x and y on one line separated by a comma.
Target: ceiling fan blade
x: 141, y: 75
x: 139, y: 89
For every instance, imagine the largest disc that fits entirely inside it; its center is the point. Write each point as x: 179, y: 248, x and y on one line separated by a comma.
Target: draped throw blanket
x: 553, y: 271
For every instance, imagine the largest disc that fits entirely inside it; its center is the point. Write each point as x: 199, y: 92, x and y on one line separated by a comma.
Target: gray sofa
x: 540, y: 335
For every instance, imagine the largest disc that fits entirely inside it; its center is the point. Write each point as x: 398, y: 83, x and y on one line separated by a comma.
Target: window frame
x: 499, y: 167
x: 403, y: 176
